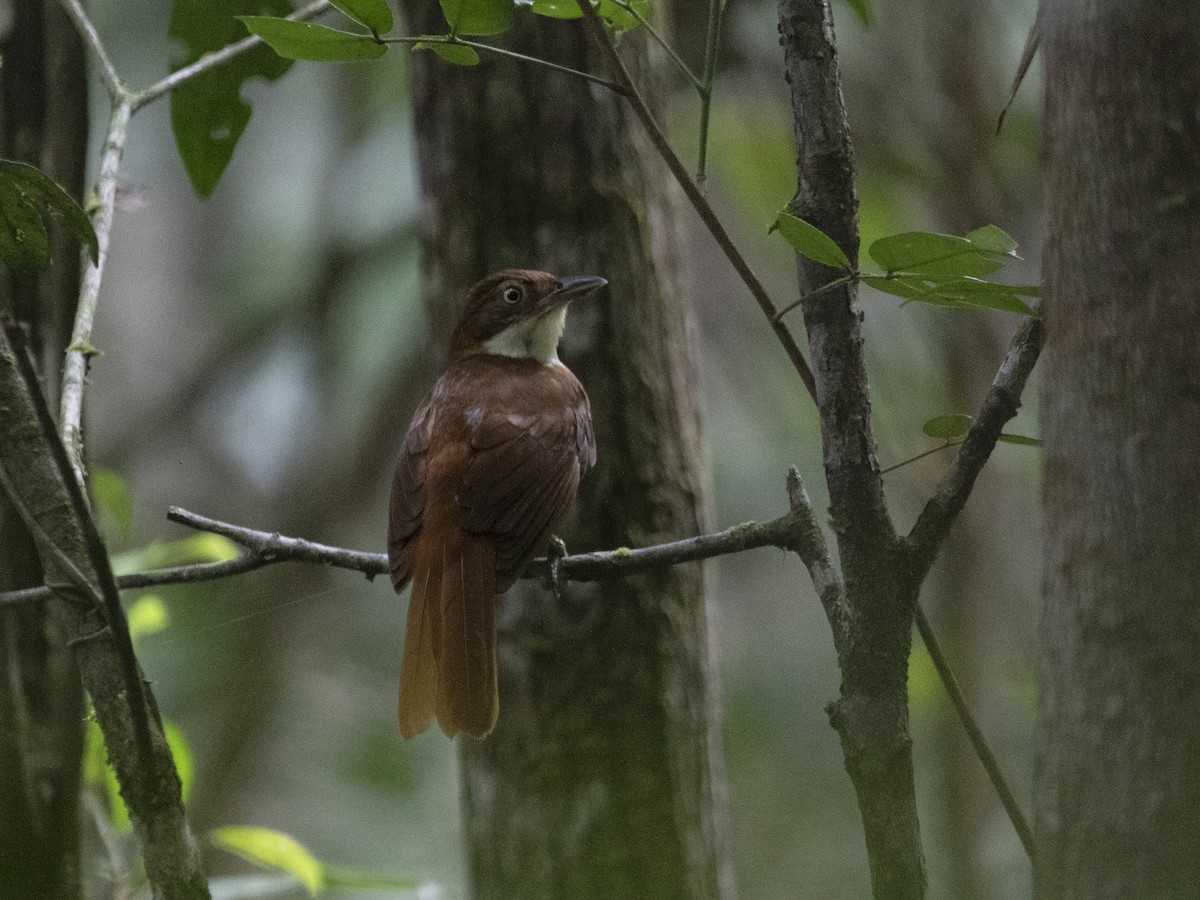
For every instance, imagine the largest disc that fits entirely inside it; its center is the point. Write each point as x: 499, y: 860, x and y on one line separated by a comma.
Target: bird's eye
x: 512, y: 295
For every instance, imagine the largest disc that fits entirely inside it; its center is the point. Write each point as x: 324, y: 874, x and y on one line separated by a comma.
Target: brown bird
x: 489, y: 464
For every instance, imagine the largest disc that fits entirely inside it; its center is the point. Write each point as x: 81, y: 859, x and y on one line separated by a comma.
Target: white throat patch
x: 532, y: 338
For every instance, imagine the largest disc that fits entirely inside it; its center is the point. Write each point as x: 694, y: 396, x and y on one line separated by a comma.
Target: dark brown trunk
x: 1117, y: 780
x: 43, y: 97
x: 873, y: 643
x: 604, y: 777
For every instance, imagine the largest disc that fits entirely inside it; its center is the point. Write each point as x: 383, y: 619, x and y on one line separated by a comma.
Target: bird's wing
x: 408, y: 493
x: 523, y: 472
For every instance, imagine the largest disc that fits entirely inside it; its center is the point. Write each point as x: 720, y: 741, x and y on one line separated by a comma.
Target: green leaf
x: 621, y: 18
x: 810, y: 241
x: 273, y: 850
x: 458, y: 54
x: 478, y: 16
x: 948, y: 427
x: 358, y: 879
x: 375, y: 14
x: 27, y: 196
x: 208, y: 114
x: 926, y: 252
x: 147, y: 615
x: 976, y: 293
x: 862, y: 9
x: 910, y: 288
x: 557, y: 9
x: 1020, y: 439
x: 181, y: 754
x: 113, y: 499
x: 199, y: 548
x: 990, y: 239
x: 313, y: 43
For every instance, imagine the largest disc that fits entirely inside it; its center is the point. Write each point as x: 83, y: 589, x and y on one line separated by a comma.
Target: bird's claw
x: 556, y: 551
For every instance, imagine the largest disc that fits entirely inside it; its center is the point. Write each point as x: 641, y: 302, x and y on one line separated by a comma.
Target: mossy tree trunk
x: 604, y: 777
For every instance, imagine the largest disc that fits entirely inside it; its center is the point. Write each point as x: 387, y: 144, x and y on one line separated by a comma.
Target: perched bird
x: 489, y: 464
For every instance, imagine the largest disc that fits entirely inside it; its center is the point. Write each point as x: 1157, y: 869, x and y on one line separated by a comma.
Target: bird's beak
x: 572, y: 287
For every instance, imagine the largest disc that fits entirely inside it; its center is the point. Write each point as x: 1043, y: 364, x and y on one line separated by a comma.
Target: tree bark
x: 1117, y: 778
x: 873, y: 643
x: 604, y: 776
x: 43, y: 108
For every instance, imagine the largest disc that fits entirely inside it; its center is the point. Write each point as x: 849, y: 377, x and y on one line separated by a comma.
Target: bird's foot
x: 556, y: 551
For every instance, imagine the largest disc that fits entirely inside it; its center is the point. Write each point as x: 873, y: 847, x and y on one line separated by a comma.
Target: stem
x: 796, y: 531
x: 512, y: 54
x: 218, y: 57
x: 696, y: 197
x: 509, y: 54
x: 974, y: 733
x: 836, y: 283
x: 80, y: 350
x: 716, y: 10
x: 662, y: 42
x: 112, y: 81
x: 912, y: 459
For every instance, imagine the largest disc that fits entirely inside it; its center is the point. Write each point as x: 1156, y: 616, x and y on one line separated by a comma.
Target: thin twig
x: 716, y: 10
x: 75, y: 364
x: 512, y: 54
x: 112, y: 81
x: 974, y: 733
x: 912, y: 459
x: 264, y: 548
x: 210, y: 61
x: 707, y: 215
x: 121, y: 889
x: 1001, y: 404
x: 664, y: 44
x: 813, y: 550
x: 828, y: 286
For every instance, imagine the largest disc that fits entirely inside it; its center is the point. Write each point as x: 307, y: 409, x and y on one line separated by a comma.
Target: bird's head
x: 519, y: 313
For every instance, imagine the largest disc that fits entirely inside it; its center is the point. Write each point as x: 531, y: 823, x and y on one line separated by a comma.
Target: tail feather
x: 467, y: 691
x: 419, y: 671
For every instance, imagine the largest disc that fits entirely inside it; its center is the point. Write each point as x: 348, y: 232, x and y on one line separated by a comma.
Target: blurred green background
x: 264, y: 349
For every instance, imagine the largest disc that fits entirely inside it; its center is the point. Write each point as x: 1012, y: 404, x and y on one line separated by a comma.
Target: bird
x: 486, y: 469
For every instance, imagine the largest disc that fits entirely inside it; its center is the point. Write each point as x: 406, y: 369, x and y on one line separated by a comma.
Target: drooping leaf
x: 313, y: 43
x: 199, y: 548
x: 810, y: 241
x: 909, y: 288
x: 992, y: 239
x: 181, y: 754
x: 478, y: 16
x: 926, y: 252
x: 1021, y: 440
x: 358, y: 879
x: 112, y: 497
x: 147, y: 615
x: 208, y: 114
x: 621, y: 18
x: 556, y: 9
x: 272, y: 849
x: 976, y: 293
x: 862, y: 9
x: 616, y: 14
x: 948, y: 427
x: 27, y: 196
x: 375, y: 14
x: 458, y: 54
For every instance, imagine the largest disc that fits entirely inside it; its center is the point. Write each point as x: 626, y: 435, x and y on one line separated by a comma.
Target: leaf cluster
x: 941, y: 269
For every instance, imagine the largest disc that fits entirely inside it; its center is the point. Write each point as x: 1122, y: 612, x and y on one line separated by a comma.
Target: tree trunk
x: 43, y: 97
x: 1118, y: 758
x: 604, y: 776
x: 874, y: 637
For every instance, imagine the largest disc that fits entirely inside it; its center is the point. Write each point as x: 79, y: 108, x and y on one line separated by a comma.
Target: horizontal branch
x: 263, y: 548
